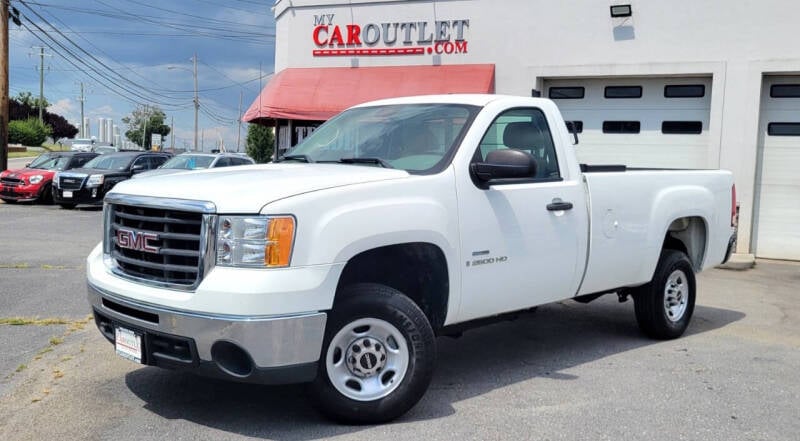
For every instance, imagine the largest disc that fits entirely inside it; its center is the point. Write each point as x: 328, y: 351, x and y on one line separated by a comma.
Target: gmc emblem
x: 136, y: 240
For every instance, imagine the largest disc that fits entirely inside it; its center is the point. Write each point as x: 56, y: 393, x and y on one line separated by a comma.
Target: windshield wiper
x: 378, y: 161
x: 304, y: 158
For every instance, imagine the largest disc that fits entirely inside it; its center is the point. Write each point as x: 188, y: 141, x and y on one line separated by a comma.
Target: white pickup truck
x: 396, y: 222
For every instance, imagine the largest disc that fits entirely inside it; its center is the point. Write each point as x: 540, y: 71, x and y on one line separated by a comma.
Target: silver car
x: 197, y: 161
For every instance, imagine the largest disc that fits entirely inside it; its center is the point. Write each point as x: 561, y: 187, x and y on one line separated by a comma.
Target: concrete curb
x: 739, y: 262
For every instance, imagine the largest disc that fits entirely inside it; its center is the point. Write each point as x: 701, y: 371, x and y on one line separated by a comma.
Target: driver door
x: 517, y: 252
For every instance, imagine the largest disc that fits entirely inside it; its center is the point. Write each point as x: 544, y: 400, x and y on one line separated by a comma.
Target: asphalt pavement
x: 569, y: 371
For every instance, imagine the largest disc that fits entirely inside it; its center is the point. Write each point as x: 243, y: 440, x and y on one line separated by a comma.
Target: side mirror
x: 505, y: 164
x: 573, y: 129
x: 137, y: 168
x: 28, y: 165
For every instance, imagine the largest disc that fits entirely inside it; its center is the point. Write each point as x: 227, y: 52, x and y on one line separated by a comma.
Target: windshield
x: 412, y: 137
x: 105, y: 150
x: 81, y: 141
x: 109, y: 162
x: 48, y: 162
x: 189, y: 162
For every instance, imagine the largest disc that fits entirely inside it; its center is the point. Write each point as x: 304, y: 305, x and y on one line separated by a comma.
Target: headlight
x: 262, y: 241
x: 35, y: 179
x: 95, y: 180
x: 55, y: 179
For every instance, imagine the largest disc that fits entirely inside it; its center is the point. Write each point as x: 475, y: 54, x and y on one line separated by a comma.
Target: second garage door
x: 640, y: 122
x: 777, y: 230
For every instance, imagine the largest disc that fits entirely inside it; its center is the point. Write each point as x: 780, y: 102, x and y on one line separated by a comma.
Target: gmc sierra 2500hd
x: 393, y: 223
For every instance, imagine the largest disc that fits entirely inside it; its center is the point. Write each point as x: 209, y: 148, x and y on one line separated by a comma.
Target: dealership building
x: 686, y: 84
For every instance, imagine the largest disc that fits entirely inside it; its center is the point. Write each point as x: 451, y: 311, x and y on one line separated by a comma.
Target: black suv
x: 88, y: 185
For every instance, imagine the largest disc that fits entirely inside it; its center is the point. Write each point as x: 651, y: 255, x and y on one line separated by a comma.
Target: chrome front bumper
x: 261, y: 349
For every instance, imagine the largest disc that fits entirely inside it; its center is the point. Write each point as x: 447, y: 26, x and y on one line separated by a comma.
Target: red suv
x: 35, y: 180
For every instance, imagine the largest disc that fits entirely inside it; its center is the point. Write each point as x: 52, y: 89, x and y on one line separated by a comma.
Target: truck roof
x: 473, y: 99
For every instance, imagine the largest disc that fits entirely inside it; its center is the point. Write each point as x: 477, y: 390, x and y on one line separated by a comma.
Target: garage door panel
x: 650, y: 147
x: 781, y: 165
x: 778, y: 218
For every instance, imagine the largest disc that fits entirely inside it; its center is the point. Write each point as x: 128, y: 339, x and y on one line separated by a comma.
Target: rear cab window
x: 523, y: 129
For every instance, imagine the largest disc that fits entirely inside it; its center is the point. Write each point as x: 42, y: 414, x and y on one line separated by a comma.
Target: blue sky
x: 129, y: 48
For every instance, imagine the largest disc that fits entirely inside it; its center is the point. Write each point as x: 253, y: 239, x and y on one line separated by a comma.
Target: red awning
x: 317, y: 94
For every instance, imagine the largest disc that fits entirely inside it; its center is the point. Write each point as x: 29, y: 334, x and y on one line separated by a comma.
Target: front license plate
x: 128, y: 344
x: 67, y: 194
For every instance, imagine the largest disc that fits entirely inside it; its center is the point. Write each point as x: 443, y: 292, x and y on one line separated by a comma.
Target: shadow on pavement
x: 555, y: 338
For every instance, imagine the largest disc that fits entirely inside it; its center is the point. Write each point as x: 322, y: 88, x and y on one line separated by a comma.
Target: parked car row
x: 83, y: 178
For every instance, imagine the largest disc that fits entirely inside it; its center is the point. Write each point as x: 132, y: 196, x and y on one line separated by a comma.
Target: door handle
x: 559, y: 205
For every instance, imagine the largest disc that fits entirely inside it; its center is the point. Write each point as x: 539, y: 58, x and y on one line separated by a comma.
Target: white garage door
x: 639, y: 122
x: 778, y: 223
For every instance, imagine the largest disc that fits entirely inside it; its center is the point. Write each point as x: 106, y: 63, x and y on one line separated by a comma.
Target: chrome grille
x: 179, y: 243
x: 71, y: 182
x: 10, y: 182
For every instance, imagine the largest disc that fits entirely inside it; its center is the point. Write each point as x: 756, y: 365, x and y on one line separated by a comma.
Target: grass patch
x: 23, y: 321
x: 53, y: 267
x: 21, y: 368
x: 14, y: 266
x: 57, y: 374
x: 44, y: 351
x: 56, y: 341
x: 66, y: 358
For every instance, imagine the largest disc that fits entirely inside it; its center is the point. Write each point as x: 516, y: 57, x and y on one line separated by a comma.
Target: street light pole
x: 196, y: 100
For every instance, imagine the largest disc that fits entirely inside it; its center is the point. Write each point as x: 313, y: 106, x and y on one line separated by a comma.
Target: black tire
x: 372, y: 301
x: 67, y: 206
x: 46, y: 196
x: 673, y: 281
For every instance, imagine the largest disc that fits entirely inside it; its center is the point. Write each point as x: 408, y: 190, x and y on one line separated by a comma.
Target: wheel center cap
x: 366, y: 357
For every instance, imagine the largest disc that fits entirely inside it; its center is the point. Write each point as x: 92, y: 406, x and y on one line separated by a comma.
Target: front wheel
x: 664, y: 306
x: 377, y: 357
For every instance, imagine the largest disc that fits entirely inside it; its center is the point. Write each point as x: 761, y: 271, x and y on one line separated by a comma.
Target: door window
x: 222, y: 162
x: 526, y: 130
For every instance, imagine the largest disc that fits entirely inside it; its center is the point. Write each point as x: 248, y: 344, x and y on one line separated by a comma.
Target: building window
x: 568, y: 93
x: 682, y: 127
x: 623, y: 92
x: 621, y: 126
x: 577, y: 124
x: 783, y: 129
x: 785, y: 91
x: 685, y: 91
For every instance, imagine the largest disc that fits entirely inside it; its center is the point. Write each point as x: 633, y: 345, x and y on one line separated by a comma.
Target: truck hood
x: 160, y: 172
x: 248, y: 188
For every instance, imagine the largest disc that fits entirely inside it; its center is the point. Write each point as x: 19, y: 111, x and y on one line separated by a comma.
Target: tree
x: 27, y: 99
x: 154, y: 117
x: 260, y: 142
x: 23, y: 106
x: 59, y: 126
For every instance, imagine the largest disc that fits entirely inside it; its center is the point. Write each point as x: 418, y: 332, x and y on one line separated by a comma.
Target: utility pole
x: 203, y: 141
x: 144, y: 129
x: 239, y: 135
x: 41, y: 81
x: 172, y: 132
x: 81, y: 99
x: 196, y: 99
x: 3, y: 84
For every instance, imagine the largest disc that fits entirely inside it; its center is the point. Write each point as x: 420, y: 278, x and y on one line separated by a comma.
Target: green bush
x: 29, y: 132
x: 260, y: 142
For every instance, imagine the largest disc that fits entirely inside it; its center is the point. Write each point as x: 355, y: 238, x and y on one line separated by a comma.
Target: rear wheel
x: 377, y: 357
x: 67, y: 206
x: 664, y: 307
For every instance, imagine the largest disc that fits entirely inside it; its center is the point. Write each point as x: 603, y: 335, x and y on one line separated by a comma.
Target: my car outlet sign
x: 391, y: 38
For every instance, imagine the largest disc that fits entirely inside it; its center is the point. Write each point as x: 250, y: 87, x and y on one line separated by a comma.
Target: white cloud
x: 66, y: 108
